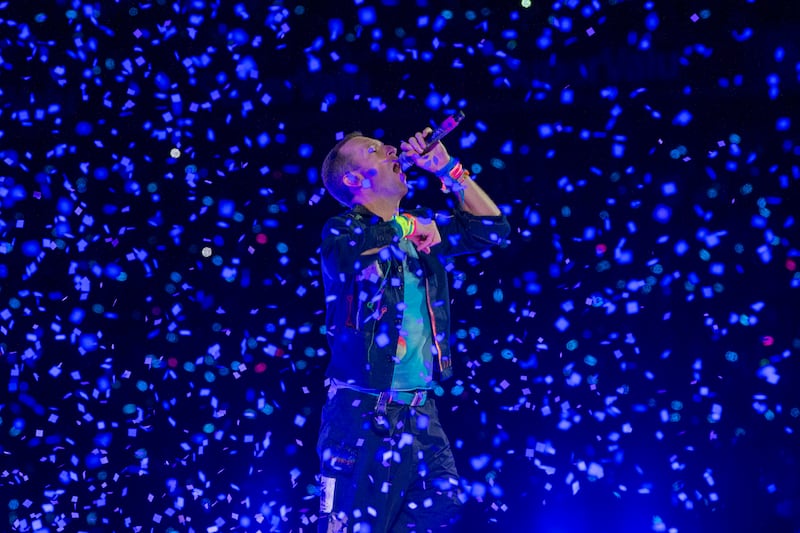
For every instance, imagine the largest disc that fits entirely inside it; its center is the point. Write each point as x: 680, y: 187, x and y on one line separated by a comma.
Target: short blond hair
x: 334, y: 167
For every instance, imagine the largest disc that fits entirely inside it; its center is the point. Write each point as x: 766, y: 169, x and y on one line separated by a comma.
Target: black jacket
x: 362, y: 290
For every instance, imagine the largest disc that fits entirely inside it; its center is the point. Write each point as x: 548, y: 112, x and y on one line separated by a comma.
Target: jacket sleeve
x: 344, y: 241
x: 465, y: 233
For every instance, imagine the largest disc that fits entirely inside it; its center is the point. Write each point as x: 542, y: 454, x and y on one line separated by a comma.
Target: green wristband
x: 406, y: 224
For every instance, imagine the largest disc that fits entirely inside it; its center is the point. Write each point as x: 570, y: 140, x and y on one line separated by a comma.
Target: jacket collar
x: 360, y: 210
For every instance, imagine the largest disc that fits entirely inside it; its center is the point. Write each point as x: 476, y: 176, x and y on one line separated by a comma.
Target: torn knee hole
x: 337, y: 524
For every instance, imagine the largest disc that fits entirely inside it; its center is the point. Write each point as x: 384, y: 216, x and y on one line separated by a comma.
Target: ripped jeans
x: 397, y: 476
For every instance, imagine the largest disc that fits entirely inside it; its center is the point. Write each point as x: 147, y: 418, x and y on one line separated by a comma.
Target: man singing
x: 386, y: 463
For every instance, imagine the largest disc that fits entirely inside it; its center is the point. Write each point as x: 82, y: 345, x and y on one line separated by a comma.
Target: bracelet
x: 457, y: 173
x: 456, y: 185
x: 445, y: 170
x: 455, y: 177
x: 407, y: 224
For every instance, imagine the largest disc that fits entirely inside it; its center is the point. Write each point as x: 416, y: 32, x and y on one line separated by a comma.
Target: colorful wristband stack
x: 407, y: 224
x: 453, y: 176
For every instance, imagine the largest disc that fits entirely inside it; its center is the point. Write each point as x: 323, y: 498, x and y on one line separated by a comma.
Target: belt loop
x: 380, y: 405
x: 419, y: 397
x: 332, y: 388
x: 380, y: 420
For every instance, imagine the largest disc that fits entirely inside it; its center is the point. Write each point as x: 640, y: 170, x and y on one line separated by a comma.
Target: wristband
x: 407, y: 224
x: 455, y: 177
x: 445, y: 170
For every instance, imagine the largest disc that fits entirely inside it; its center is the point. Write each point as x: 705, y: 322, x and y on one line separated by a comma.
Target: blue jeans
x: 375, y: 478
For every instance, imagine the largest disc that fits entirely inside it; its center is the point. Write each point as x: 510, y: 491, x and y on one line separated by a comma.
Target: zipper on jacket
x: 433, y: 325
x: 349, y: 321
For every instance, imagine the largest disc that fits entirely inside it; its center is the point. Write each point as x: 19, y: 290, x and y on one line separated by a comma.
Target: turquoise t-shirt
x: 414, y: 360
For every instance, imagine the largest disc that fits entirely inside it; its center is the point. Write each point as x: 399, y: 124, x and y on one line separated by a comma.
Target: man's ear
x: 352, y: 179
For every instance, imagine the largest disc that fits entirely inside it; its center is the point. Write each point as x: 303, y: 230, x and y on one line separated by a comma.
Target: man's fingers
x: 420, y: 240
x: 425, y: 236
x: 424, y: 247
x: 425, y: 241
x: 416, y: 143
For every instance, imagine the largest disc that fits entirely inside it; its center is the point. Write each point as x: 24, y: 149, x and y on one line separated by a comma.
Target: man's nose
x: 390, y: 150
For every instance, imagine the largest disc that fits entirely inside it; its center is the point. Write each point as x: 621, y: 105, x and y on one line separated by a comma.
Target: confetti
x: 633, y: 347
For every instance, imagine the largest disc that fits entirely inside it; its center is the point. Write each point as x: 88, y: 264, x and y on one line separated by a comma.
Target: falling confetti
x: 630, y: 354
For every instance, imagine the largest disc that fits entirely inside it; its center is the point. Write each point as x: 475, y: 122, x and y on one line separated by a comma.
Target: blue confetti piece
x: 367, y: 15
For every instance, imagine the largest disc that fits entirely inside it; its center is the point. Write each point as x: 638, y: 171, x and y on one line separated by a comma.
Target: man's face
x: 378, y: 166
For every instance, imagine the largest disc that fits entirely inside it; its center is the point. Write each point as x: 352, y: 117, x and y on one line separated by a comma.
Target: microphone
x: 448, y: 125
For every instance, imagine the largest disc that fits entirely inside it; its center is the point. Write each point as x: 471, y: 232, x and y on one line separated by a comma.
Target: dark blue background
x: 627, y: 362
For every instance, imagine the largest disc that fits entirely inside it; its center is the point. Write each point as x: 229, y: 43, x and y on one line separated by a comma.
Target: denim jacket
x: 363, y: 290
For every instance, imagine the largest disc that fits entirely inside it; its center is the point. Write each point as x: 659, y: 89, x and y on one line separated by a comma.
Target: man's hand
x: 426, y: 235
x: 434, y: 160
